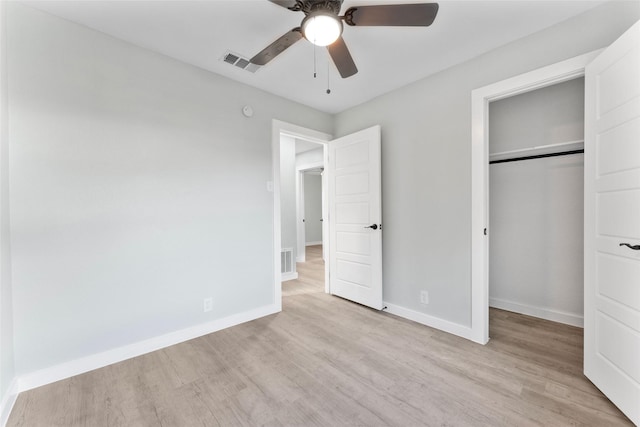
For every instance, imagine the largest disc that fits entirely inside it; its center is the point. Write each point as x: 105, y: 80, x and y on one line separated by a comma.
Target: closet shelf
x: 541, y: 150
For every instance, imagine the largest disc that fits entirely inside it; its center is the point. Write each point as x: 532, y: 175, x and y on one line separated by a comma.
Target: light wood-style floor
x: 325, y: 361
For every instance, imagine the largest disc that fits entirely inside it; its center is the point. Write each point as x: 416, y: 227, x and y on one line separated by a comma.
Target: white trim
x: 307, y: 166
x: 480, y: 98
x: 326, y: 221
x: 9, y: 396
x: 277, y: 221
x: 8, y: 401
x: 313, y: 243
x: 541, y: 312
x: 99, y: 360
x: 289, y: 276
x: 431, y: 321
x: 283, y: 128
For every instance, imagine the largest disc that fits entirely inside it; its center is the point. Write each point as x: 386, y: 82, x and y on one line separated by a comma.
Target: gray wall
x: 312, y: 207
x: 551, y: 115
x: 536, y: 247
x: 7, y: 371
x: 311, y: 156
x: 138, y: 188
x: 536, y: 206
x: 288, y: 217
x: 426, y: 159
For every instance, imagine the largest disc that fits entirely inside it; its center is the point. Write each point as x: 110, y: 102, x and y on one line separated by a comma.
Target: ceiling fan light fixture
x: 321, y: 28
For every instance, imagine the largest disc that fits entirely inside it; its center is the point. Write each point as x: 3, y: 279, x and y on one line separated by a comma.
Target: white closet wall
x: 536, y: 206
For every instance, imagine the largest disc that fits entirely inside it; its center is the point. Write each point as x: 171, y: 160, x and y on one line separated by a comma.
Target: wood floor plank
x: 324, y: 361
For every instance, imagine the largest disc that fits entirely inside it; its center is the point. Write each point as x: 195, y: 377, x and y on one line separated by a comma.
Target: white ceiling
x: 200, y: 32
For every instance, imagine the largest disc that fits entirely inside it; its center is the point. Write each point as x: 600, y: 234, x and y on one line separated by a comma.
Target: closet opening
x: 536, y: 203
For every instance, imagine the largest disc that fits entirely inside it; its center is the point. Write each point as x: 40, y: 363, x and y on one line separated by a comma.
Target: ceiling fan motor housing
x: 321, y: 27
x: 311, y: 6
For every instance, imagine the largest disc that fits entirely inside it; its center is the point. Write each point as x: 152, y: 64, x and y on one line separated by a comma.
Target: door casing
x: 480, y: 99
x: 278, y: 128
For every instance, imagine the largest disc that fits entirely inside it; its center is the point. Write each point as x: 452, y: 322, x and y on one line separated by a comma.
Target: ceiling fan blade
x: 277, y: 47
x: 342, y: 58
x: 393, y: 15
x: 285, y: 3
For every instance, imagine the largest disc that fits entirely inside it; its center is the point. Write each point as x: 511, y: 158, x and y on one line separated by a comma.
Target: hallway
x: 310, y: 274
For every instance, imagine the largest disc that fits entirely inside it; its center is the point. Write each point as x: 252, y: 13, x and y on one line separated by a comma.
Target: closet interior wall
x: 536, y: 204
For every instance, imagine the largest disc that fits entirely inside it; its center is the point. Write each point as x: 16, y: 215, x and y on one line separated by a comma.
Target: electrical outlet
x: 424, y: 297
x: 208, y: 304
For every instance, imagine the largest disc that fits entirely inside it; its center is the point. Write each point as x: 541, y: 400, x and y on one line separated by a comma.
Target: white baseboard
x: 109, y: 357
x: 313, y: 243
x: 543, y: 313
x: 289, y: 276
x: 7, y: 402
x: 431, y: 321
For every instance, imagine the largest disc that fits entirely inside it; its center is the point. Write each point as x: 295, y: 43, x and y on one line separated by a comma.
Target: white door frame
x: 301, y: 255
x: 283, y: 128
x: 480, y: 98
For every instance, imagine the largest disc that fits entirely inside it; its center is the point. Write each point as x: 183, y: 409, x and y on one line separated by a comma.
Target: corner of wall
x: 7, y: 401
x: 8, y: 382
x: 433, y: 322
x: 96, y: 361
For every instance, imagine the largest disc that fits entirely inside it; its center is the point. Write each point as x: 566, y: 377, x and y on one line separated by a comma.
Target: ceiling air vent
x: 240, y: 62
x: 230, y: 58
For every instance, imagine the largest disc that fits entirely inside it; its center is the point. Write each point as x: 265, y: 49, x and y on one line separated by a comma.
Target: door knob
x: 373, y: 226
x: 630, y: 246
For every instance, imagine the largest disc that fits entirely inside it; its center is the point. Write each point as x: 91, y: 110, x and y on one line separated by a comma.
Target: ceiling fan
x: 322, y: 26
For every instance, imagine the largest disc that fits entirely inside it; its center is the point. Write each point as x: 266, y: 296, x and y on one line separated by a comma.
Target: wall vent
x: 240, y: 61
x: 286, y: 261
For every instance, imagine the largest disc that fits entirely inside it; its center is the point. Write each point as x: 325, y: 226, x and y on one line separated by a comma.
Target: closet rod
x: 538, y: 156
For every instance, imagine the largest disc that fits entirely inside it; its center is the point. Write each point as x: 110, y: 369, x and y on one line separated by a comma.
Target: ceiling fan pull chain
x: 328, y: 72
x: 314, y: 62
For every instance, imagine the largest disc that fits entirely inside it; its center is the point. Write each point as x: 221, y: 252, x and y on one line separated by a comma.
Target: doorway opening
x: 480, y: 99
x: 536, y: 203
x: 352, y: 221
x: 311, y: 202
x: 286, y: 204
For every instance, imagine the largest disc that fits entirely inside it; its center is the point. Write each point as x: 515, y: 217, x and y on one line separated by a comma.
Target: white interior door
x: 355, y: 216
x: 612, y: 221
